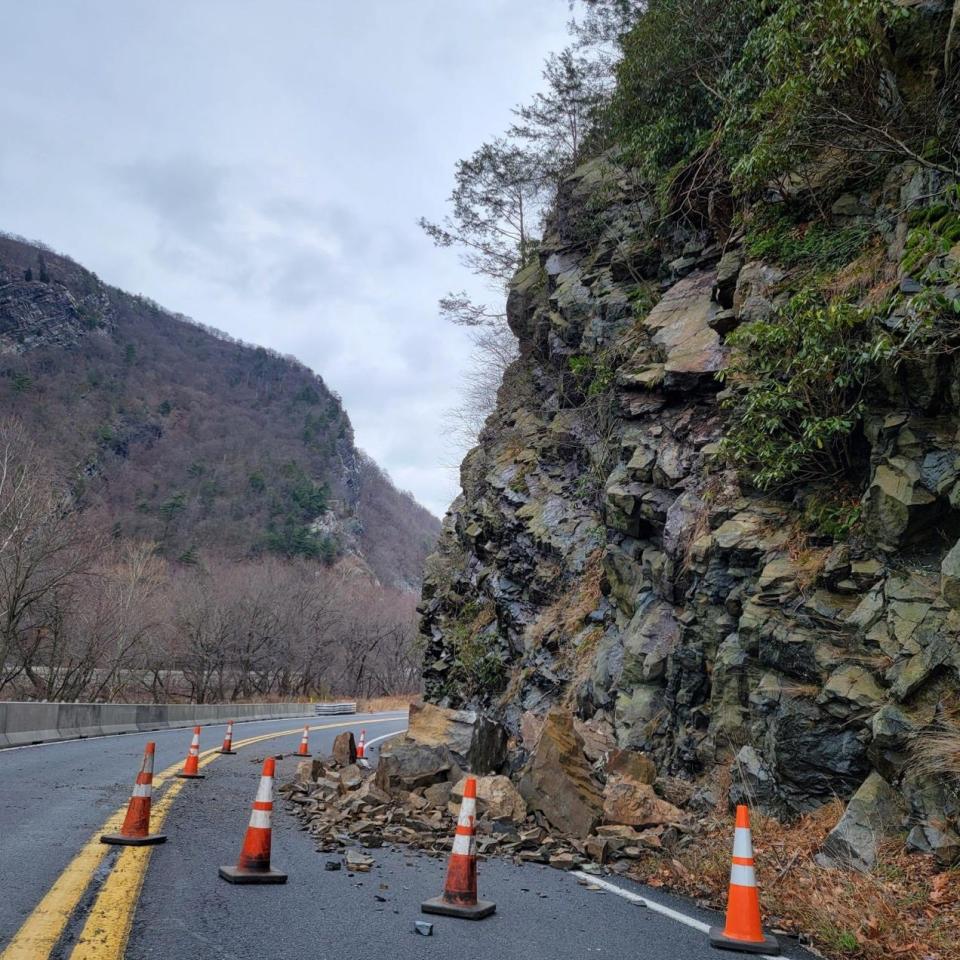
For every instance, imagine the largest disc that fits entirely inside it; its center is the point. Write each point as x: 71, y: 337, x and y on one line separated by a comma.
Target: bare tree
x: 43, y: 549
x: 494, y: 349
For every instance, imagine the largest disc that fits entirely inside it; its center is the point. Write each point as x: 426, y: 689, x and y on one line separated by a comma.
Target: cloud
x: 264, y: 175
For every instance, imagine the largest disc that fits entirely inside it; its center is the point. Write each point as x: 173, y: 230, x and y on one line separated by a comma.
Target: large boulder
x: 631, y: 803
x: 558, y: 781
x: 344, y: 749
x: 633, y: 765
x: 496, y: 796
x: 628, y: 796
x: 476, y: 742
x: 407, y: 766
x: 874, y: 811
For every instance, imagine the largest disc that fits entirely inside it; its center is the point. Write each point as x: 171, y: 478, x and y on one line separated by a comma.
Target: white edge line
x: 206, y: 723
x: 386, y: 736
x: 652, y: 905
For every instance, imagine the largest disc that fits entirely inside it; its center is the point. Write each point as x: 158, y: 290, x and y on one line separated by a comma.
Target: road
x: 65, y: 895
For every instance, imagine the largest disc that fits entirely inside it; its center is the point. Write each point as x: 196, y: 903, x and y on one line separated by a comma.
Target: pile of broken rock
x: 560, y: 815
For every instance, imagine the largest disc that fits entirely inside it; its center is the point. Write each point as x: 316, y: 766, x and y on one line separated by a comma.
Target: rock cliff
x: 604, y: 561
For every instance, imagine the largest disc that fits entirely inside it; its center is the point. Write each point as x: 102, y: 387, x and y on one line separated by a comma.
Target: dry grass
x: 937, y: 752
x: 907, y: 907
x: 808, y: 560
x: 399, y: 701
x: 717, y: 492
x: 566, y: 615
x: 870, y: 278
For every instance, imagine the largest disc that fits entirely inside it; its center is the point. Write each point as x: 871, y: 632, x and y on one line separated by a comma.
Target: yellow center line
x: 107, y: 928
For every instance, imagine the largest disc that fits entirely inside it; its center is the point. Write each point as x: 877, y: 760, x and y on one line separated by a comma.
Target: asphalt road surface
x: 65, y: 895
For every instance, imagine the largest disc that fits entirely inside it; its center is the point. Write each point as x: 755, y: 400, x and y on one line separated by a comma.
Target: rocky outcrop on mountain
x: 603, y: 564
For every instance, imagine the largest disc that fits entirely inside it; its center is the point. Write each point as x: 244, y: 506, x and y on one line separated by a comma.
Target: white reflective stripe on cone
x: 141, y: 790
x: 260, y: 818
x: 742, y: 876
x: 468, y: 812
x: 742, y: 844
x: 265, y: 790
x: 463, y: 845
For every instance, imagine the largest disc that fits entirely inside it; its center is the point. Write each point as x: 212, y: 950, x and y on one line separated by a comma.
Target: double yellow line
x: 107, y: 927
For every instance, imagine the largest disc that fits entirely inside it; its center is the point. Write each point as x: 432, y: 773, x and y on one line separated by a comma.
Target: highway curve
x: 67, y: 896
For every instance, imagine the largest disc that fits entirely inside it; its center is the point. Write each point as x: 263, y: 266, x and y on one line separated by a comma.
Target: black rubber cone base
x: 191, y: 776
x: 123, y: 841
x: 718, y: 940
x: 226, y: 751
x: 238, y: 875
x: 481, y: 909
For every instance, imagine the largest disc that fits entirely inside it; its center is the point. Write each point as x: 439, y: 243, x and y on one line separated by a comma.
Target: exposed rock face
x: 604, y: 559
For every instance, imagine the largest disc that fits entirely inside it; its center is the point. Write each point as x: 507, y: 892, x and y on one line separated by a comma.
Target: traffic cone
x: 459, y: 897
x: 135, y: 831
x: 228, y: 739
x: 254, y: 863
x: 361, y: 746
x: 304, y: 750
x: 743, y: 930
x: 191, y: 766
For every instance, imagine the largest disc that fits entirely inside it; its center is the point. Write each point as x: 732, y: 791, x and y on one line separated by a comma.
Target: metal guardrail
x: 330, y: 709
x: 24, y: 723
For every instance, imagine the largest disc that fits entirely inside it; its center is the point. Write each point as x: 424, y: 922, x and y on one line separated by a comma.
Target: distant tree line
x: 89, y: 617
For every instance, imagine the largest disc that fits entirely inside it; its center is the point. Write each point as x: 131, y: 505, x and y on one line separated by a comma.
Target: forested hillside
x: 175, y: 433
x: 183, y: 516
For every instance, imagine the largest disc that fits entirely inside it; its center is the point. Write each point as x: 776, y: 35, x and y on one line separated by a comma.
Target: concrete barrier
x: 26, y: 723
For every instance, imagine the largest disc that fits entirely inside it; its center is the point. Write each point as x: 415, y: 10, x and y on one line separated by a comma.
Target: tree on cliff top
x: 494, y: 212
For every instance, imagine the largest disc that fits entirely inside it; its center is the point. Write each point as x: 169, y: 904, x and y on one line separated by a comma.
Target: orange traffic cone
x: 254, y: 863
x: 228, y: 739
x: 459, y: 897
x: 191, y: 766
x: 304, y: 750
x: 361, y: 746
x: 743, y: 930
x: 135, y: 831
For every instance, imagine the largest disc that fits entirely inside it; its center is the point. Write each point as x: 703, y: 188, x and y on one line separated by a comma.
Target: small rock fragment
x: 358, y: 861
x: 423, y: 928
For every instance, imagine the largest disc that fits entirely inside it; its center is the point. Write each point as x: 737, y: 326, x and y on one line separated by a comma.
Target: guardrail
x: 26, y: 723
x: 329, y: 709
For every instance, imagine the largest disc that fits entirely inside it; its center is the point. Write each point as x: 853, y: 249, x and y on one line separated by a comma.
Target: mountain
x: 177, y: 433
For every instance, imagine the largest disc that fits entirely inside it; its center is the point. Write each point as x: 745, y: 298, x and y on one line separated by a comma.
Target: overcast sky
x: 260, y: 166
